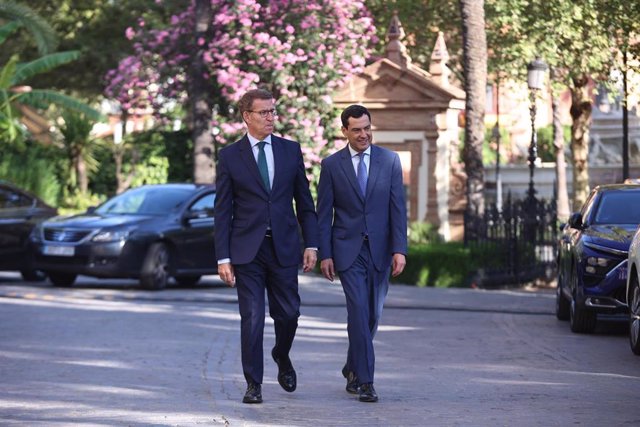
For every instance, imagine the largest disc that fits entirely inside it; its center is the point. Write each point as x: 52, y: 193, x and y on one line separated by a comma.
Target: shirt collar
x: 355, y: 153
x: 253, y: 140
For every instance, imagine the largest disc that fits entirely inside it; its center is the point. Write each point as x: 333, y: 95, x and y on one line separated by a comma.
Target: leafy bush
x: 447, y: 264
x: 79, y: 202
x: 423, y: 232
x: 32, y: 169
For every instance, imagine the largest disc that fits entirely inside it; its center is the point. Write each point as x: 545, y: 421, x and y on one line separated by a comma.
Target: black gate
x: 515, y: 245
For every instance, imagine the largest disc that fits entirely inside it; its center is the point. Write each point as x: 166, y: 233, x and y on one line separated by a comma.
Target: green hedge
x: 437, y: 264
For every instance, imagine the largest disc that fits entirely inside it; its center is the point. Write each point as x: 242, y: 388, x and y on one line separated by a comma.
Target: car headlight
x: 110, y: 236
x: 36, y: 233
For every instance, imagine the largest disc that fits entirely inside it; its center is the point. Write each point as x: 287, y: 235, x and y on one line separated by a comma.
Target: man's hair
x: 246, y: 102
x: 355, y: 111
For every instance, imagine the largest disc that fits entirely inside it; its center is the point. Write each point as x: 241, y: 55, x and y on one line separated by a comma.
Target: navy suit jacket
x: 345, y: 216
x: 244, y: 208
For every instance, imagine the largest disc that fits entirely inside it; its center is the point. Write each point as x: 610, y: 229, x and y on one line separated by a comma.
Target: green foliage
x: 97, y: 29
x: 178, y: 148
x: 446, y: 264
x: 423, y: 233
x: 490, y: 146
x: 32, y: 169
x: 77, y: 202
x: 546, y: 148
x: 152, y: 171
x: 79, y: 148
x: 21, y: 15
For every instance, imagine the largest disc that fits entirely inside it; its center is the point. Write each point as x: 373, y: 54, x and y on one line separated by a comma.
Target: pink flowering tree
x: 301, y: 50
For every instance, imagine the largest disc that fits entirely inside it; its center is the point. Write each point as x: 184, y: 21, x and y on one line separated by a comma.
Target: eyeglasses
x: 265, y: 113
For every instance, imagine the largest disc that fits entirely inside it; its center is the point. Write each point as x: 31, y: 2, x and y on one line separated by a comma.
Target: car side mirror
x: 91, y: 209
x: 575, y: 220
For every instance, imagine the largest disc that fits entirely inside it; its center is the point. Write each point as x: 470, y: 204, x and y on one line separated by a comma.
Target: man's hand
x: 398, y: 263
x: 326, y: 266
x: 225, y: 271
x: 309, y: 260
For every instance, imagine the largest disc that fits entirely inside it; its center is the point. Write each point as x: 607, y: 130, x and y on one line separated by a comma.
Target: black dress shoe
x: 352, y: 383
x: 253, y: 393
x: 368, y: 393
x: 286, y: 374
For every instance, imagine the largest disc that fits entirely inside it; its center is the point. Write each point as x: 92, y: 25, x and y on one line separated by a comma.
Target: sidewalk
x: 107, y: 353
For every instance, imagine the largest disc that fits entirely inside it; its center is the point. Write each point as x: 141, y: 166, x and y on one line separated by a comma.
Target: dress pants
x: 365, y: 290
x: 281, y: 284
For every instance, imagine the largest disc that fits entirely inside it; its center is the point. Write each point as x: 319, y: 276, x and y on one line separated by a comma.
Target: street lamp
x: 535, y: 80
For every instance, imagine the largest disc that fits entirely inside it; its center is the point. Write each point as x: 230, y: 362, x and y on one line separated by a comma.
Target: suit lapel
x: 246, y: 154
x: 347, y: 166
x: 278, y: 159
x: 374, y: 169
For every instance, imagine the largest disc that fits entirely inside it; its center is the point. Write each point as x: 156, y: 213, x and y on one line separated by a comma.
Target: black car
x: 592, y: 256
x: 20, y: 212
x: 151, y: 233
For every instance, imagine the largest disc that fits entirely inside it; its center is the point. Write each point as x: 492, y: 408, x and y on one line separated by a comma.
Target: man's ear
x: 344, y: 131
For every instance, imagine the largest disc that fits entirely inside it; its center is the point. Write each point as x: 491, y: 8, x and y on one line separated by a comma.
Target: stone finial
x: 439, y: 58
x: 396, y: 51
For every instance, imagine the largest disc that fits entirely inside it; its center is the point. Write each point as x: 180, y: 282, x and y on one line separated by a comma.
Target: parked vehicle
x: 20, y: 212
x: 633, y: 293
x: 151, y: 233
x: 592, y: 256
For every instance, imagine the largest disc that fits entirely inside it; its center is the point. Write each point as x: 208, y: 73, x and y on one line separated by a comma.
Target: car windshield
x: 146, y: 201
x: 619, y: 207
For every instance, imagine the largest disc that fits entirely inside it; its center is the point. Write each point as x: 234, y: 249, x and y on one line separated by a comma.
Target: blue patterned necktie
x: 262, y: 166
x: 362, y: 174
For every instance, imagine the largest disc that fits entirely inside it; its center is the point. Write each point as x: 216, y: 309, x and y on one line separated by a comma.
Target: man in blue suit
x: 257, y: 237
x: 363, y: 235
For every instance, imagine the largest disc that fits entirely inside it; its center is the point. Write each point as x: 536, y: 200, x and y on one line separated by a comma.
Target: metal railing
x: 515, y: 245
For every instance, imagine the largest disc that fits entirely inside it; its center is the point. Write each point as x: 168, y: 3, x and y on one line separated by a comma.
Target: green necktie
x: 262, y: 166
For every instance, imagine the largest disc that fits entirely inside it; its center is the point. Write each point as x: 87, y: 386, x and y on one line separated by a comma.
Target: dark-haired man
x: 363, y: 235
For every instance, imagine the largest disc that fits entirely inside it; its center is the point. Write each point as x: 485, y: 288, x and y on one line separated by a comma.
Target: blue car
x: 592, y: 256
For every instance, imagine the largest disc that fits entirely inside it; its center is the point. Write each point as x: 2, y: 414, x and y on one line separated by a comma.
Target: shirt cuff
x: 315, y: 249
x: 224, y: 261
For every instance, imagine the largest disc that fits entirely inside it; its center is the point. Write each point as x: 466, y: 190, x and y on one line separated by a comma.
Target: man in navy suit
x: 363, y: 235
x: 257, y: 237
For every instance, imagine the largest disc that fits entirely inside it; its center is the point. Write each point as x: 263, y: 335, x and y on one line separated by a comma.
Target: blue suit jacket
x: 244, y: 208
x: 344, y: 215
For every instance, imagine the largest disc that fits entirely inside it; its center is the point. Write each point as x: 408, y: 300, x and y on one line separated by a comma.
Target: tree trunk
x: 581, y: 108
x: 562, y: 197
x: 81, y: 174
x: 475, y: 83
x: 200, y: 96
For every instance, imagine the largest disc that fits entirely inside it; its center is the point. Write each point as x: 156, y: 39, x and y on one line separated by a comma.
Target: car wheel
x: 33, y: 275
x: 187, y: 280
x: 562, y: 304
x: 155, y: 269
x: 634, y: 316
x: 581, y: 320
x: 63, y: 280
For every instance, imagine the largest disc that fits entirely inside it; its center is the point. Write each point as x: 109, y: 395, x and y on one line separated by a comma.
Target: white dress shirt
x: 355, y: 159
x: 268, y: 151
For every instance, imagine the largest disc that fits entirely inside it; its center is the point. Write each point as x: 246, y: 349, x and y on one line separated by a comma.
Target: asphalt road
x: 105, y: 353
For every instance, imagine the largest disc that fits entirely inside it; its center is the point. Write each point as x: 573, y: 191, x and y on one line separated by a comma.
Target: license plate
x: 58, y: 250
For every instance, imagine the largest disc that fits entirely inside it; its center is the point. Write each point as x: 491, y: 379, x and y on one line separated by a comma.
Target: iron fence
x: 514, y: 245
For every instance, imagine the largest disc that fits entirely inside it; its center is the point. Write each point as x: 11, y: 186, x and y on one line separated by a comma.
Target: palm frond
x: 42, y: 32
x: 8, y: 29
x: 41, y: 97
x: 43, y: 64
x: 8, y: 72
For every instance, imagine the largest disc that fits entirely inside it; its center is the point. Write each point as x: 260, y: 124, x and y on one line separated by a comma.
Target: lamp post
x: 535, y: 80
